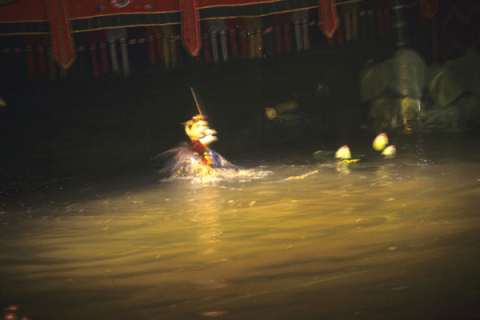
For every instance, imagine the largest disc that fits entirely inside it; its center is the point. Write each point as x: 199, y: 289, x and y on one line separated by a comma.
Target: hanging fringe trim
x: 93, y: 59
x: 223, y: 40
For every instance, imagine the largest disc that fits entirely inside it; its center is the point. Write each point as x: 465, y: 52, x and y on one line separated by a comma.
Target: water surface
x: 392, y: 239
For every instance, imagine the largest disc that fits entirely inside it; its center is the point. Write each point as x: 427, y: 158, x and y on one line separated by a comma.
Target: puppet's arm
x: 209, y: 137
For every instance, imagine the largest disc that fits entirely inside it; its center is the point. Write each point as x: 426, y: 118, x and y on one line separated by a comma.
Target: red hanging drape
x: 428, y: 8
x: 190, y: 27
x: 62, y: 38
x: 328, y: 17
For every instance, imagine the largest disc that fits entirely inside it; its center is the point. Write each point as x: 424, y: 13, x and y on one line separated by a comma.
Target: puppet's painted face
x: 197, y: 130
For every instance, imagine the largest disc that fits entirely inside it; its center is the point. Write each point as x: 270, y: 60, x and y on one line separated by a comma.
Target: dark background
x: 81, y: 127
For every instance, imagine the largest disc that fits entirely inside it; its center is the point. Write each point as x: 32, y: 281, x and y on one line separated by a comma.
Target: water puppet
x: 197, y: 161
x: 380, y: 144
x: 343, y: 153
x: 389, y: 151
x: 200, y: 137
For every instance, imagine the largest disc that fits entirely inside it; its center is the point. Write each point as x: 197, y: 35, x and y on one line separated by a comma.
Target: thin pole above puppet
x: 209, y: 133
x: 199, y: 108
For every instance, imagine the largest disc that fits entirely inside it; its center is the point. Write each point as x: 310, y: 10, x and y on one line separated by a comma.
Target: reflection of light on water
x: 205, y: 207
x: 343, y: 168
x: 384, y: 174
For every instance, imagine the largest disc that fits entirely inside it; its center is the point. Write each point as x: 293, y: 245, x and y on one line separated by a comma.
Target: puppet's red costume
x: 201, y: 150
x: 197, y: 147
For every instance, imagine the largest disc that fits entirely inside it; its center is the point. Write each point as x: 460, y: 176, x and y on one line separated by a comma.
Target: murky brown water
x: 397, y: 240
